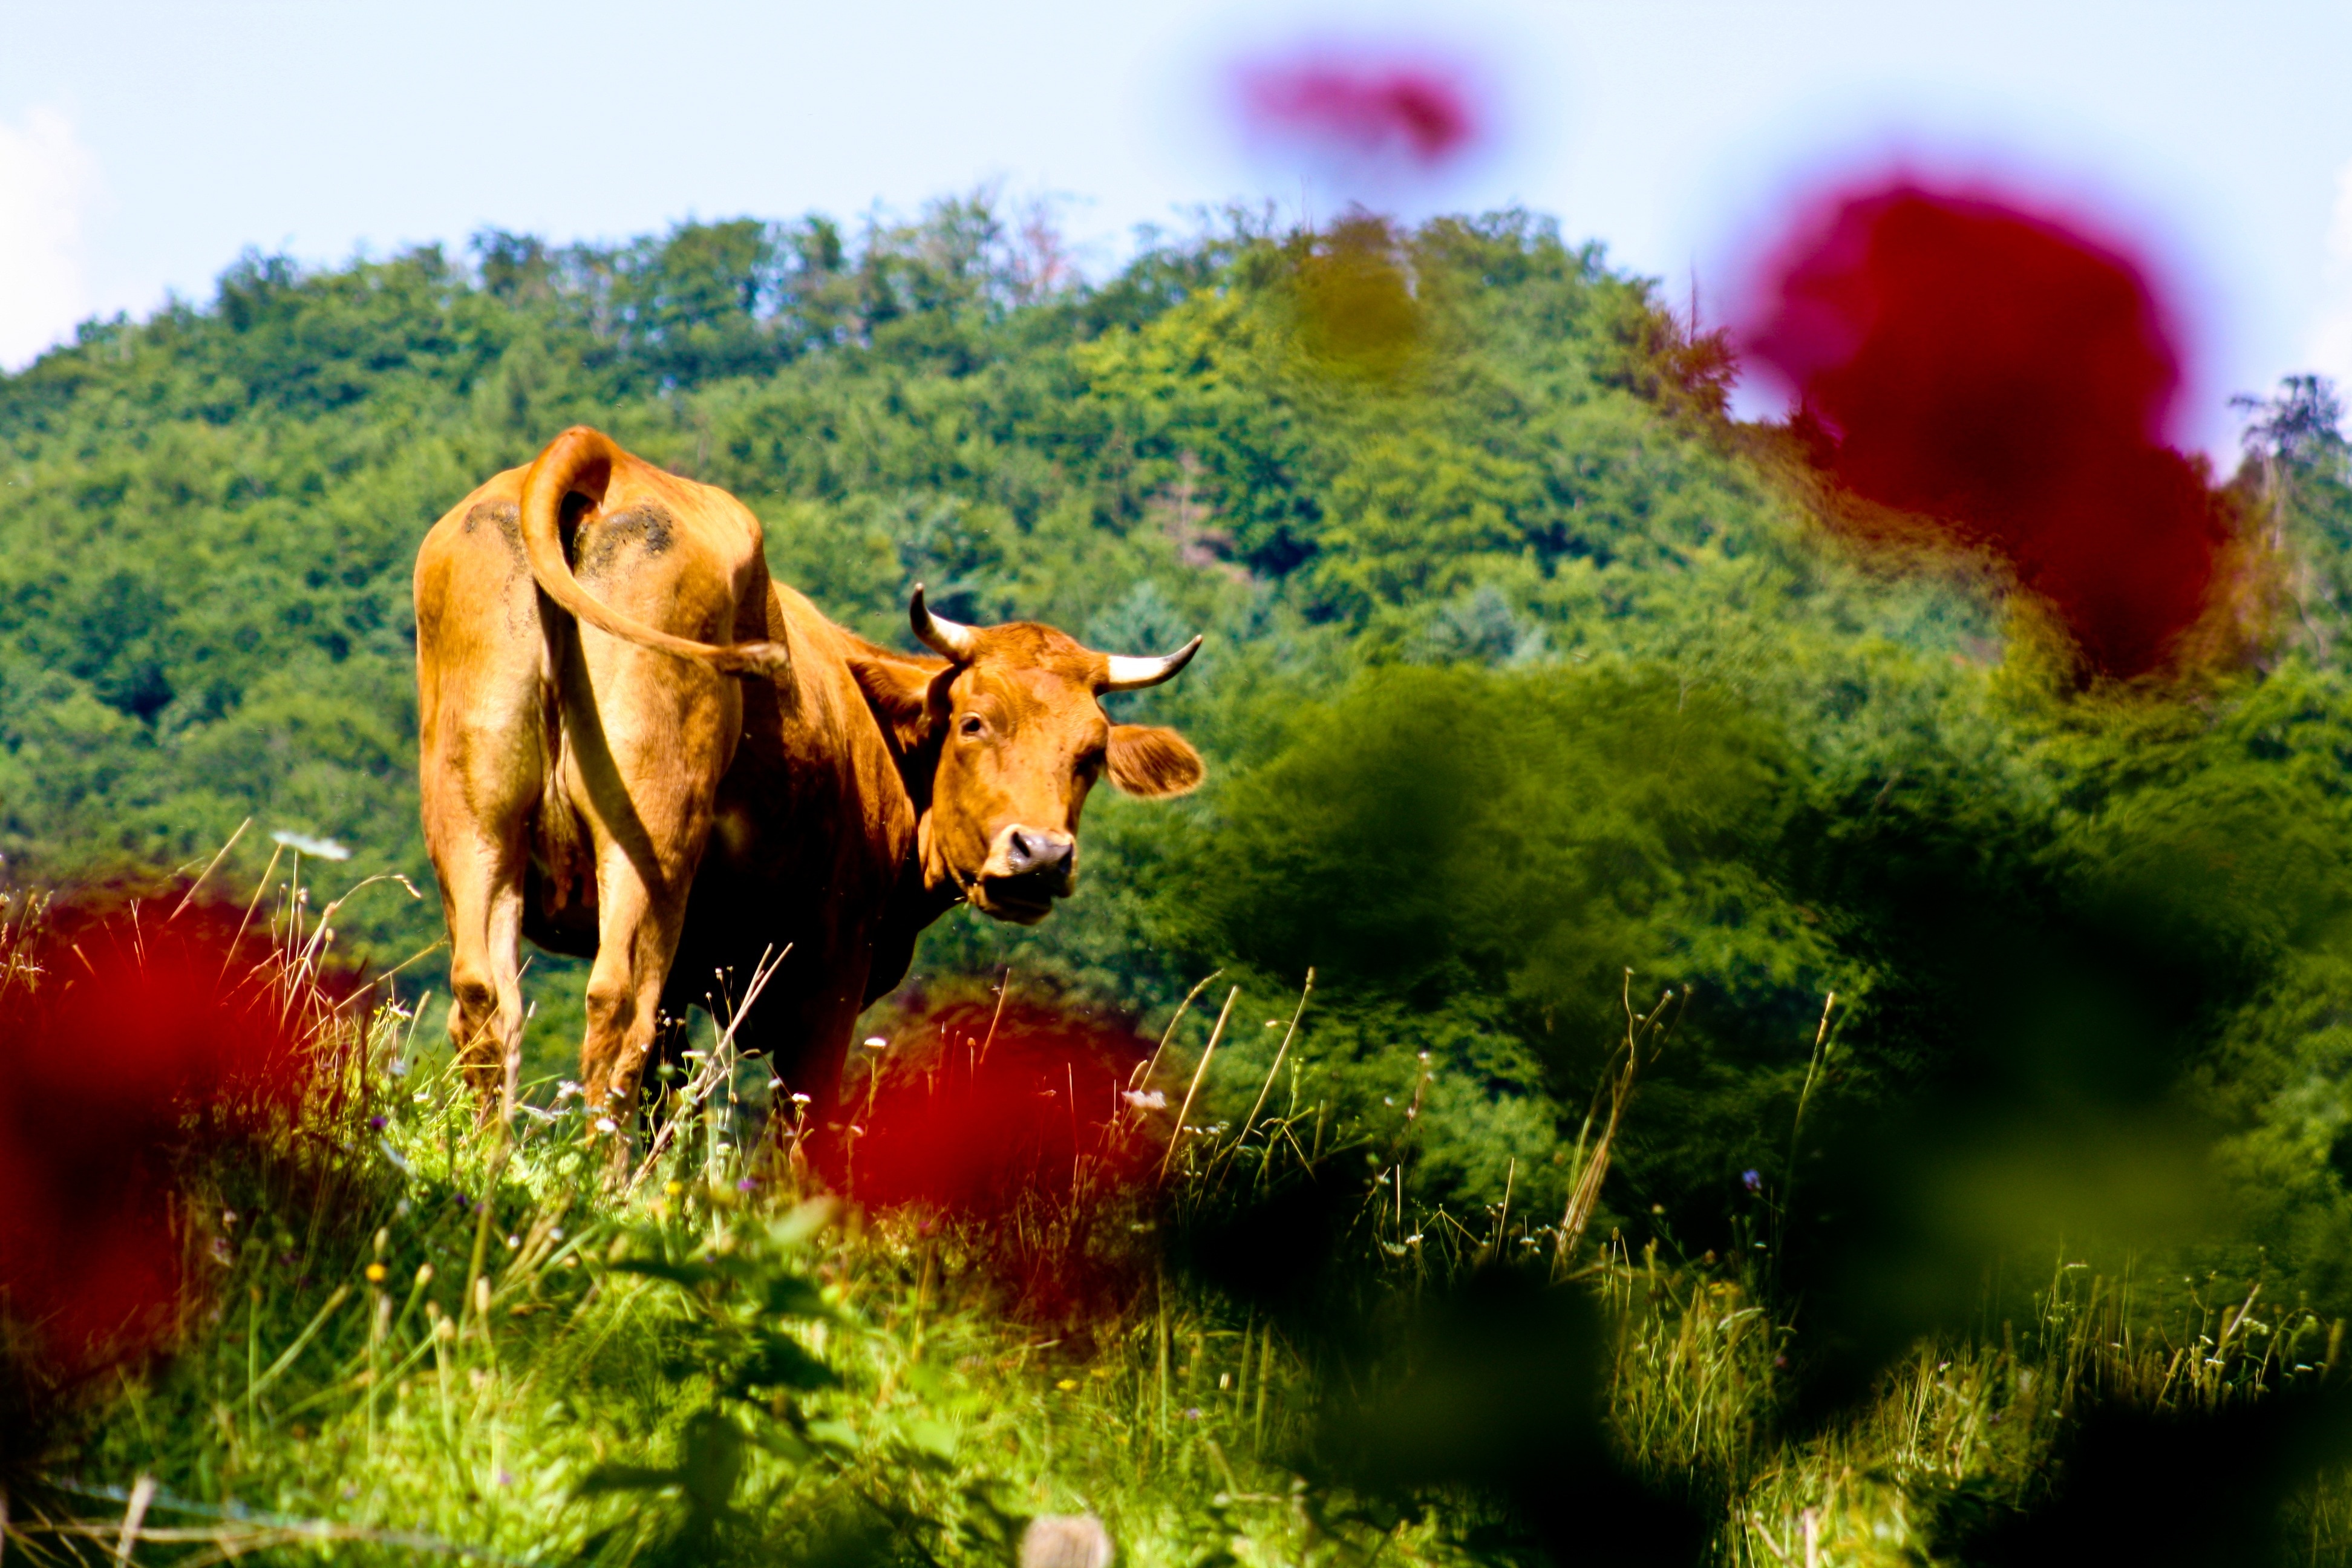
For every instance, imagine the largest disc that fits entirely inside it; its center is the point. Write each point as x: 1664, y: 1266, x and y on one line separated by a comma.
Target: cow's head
x: 1021, y: 735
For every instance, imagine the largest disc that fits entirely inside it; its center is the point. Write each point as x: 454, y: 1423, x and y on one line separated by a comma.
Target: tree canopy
x: 1527, y: 666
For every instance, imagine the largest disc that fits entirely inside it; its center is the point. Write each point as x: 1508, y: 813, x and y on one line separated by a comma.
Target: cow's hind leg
x: 481, y: 893
x: 481, y: 780
x: 647, y: 772
x: 481, y: 720
x: 638, y: 932
x: 648, y: 737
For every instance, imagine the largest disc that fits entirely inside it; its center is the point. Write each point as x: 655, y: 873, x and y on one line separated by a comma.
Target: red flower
x: 1017, y: 1123
x: 137, y: 1038
x: 1363, y: 109
x: 2000, y: 372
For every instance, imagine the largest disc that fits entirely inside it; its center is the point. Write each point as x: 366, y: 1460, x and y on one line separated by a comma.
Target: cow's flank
x: 595, y: 777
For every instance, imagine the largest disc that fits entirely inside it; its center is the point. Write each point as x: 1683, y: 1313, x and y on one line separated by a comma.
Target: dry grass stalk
x: 1593, y: 1168
x: 1201, y: 1071
x: 1287, y: 1036
x: 716, y: 1067
x: 1143, y: 1079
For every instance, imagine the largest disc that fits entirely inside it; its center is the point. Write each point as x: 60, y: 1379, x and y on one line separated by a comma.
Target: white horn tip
x: 1129, y: 674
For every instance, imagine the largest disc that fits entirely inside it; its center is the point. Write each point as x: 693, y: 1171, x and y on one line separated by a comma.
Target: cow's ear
x: 1151, y: 761
x: 901, y: 695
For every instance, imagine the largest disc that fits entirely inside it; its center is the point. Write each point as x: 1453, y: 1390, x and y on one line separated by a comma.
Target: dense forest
x: 1527, y: 670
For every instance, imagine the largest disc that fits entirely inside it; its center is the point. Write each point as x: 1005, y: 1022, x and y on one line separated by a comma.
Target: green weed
x: 424, y: 1335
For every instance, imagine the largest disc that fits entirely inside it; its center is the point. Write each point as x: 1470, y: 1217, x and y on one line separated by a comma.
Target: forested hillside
x: 1526, y: 667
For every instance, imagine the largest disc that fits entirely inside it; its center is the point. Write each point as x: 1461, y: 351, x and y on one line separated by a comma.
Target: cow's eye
x: 971, y: 725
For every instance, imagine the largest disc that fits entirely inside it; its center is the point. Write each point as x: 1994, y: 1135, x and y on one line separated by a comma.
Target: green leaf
x: 834, y: 1435
x: 782, y: 1442
x: 791, y: 1296
x: 806, y: 1220
x: 781, y: 1362
x: 626, y: 1478
x: 935, y: 1437
x: 686, y: 1276
x: 710, y: 1460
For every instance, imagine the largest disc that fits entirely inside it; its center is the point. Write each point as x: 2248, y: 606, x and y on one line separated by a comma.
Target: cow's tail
x: 574, y: 458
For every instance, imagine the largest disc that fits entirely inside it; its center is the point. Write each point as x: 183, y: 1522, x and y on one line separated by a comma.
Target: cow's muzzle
x: 1027, y: 868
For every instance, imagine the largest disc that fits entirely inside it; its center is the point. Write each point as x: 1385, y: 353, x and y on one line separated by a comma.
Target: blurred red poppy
x: 1020, y: 1122
x: 1995, y: 370
x: 136, y: 1039
x: 1363, y: 109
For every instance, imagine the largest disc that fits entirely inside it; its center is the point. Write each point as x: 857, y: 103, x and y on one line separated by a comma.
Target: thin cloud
x: 49, y: 181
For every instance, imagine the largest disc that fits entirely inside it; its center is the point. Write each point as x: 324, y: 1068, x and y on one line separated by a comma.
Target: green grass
x: 424, y: 1339
x: 1968, y: 1422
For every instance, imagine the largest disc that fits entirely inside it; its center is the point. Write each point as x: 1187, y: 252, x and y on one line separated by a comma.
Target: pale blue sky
x: 142, y: 146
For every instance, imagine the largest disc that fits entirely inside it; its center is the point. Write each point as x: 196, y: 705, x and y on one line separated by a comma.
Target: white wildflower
x: 317, y: 849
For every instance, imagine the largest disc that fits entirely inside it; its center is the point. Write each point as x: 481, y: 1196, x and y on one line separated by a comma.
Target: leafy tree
x: 1526, y: 665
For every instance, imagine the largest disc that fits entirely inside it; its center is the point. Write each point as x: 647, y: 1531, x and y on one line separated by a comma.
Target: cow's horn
x: 951, y: 640
x: 1127, y: 674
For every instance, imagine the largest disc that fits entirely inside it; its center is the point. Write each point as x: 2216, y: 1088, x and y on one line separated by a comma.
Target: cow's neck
x: 896, y: 692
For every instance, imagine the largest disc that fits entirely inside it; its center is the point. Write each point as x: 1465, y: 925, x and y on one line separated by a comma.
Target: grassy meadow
x: 411, y: 1332
x: 1685, y: 1026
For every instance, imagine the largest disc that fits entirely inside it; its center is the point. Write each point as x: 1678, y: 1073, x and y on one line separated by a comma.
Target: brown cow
x: 596, y: 780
